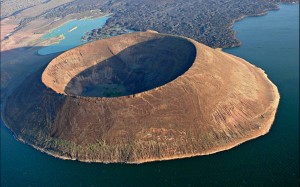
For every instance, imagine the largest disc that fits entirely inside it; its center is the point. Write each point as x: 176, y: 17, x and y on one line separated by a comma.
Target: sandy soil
x: 6, y: 27
x: 19, y: 51
x: 30, y: 36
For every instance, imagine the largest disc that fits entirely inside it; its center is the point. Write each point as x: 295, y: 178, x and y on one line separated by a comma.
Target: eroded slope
x: 219, y: 102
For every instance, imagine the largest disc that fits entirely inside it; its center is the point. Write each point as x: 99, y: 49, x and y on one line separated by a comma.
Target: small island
x: 73, y: 29
x: 142, y: 97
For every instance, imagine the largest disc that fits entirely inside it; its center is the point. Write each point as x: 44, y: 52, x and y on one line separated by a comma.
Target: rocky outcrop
x: 142, y: 97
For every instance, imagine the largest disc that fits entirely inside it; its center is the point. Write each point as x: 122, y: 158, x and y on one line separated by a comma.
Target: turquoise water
x: 270, y: 42
x: 72, y: 37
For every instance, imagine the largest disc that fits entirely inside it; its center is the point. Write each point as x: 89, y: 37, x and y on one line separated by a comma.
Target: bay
x: 71, y: 33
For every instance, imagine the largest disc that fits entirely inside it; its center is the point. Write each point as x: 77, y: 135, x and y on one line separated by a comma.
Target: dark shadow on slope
x: 23, y: 95
x: 17, y: 64
x: 136, y: 69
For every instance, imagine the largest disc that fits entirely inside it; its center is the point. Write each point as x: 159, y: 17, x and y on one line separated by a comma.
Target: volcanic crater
x: 141, y: 97
x: 112, y: 73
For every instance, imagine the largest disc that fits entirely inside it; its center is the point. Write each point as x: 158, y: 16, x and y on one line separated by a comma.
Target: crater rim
x: 141, y: 37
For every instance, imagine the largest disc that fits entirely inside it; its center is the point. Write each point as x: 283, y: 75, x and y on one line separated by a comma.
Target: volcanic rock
x: 142, y: 97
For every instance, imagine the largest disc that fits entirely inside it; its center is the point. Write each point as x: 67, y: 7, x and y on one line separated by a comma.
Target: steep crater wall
x: 106, y: 70
x: 212, y: 102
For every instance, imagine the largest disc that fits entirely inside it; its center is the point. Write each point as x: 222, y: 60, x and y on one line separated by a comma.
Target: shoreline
x: 167, y: 158
x: 253, y: 134
x: 57, y: 39
x: 72, y: 19
x: 231, y: 25
x: 264, y: 13
x: 264, y: 131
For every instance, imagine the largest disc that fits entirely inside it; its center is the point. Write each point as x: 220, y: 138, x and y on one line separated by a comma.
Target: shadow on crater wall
x: 136, y: 69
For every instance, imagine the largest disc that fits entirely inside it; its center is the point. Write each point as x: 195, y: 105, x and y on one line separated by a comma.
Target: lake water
x: 270, y: 42
x: 72, y: 32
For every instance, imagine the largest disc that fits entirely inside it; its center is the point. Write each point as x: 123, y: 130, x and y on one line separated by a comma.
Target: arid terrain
x: 208, y: 22
x: 206, y: 101
x: 23, y: 23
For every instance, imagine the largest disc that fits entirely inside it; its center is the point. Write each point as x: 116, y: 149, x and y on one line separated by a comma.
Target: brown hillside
x: 142, y: 97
